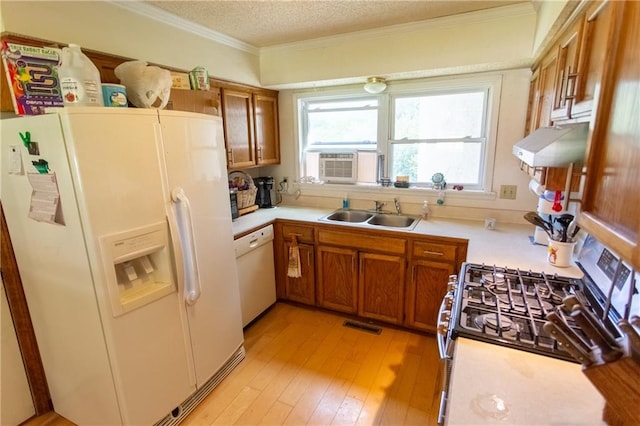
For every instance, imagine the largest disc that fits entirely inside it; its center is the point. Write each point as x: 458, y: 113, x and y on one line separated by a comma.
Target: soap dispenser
x: 425, y: 210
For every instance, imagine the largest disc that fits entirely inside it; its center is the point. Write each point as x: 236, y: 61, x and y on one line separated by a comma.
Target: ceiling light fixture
x: 375, y: 85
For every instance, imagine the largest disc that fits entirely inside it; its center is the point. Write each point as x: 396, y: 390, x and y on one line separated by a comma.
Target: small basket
x: 247, y: 197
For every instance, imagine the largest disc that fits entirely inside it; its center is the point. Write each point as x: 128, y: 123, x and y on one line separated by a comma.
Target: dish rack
x: 246, y: 197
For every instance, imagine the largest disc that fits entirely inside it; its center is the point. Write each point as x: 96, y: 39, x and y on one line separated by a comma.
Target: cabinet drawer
x: 363, y: 241
x: 434, y: 251
x: 304, y: 234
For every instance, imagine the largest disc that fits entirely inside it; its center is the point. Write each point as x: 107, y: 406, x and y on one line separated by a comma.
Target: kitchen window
x: 414, y: 129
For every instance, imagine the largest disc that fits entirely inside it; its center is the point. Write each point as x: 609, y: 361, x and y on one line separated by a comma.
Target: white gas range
x: 504, y: 367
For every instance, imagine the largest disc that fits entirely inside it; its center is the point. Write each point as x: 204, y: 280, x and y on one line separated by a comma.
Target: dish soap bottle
x: 345, y: 202
x: 425, y: 210
x: 79, y: 78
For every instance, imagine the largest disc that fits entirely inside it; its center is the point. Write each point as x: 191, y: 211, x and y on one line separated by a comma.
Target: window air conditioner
x: 338, y: 167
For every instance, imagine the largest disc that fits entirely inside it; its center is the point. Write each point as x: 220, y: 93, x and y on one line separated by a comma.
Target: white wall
x: 105, y: 27
x: 488, y: 40
x: 548, y: 13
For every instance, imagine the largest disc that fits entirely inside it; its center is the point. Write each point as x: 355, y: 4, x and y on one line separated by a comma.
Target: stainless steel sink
x: 392, y: 220
x: 352, y: 216
x: 373, y: 219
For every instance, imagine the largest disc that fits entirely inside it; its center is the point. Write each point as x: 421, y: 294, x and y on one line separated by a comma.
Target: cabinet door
x: 545, y: 101
x: 533, y: 103
x: 593, y: 51
x: 337, y: 279
x: 200, y: 101
x: 566, y: 73
x: 237, y: 115
x: 611, y: 199
x: 381, y: 287
x: 266, y: 130
x: 302, y: 289
x: 425, y: 291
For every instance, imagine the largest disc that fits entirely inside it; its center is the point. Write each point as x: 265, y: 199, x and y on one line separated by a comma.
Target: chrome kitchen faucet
x: 397, y: 204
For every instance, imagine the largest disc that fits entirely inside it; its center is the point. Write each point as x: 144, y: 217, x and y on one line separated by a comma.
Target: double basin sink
x: 374, y: 219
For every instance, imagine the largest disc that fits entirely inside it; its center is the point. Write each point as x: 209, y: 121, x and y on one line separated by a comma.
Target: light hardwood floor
x: 303, y: 367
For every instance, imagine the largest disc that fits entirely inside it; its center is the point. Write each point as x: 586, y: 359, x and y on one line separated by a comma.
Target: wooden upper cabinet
x: 593, y: 53
x: 266, y: 129
x: 200, y: 101
x: 106, y: 65
x: 566, y: 72
x: 611, y: 199
x: 237, y: 116
x: 251, y: 127
x: 545, y: 92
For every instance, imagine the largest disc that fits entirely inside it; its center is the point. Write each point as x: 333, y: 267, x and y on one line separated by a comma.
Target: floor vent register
x: 362, y: 326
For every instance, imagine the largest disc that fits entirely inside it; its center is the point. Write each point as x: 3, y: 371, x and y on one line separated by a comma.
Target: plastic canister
x: 115, y: 95
x: 79, y: 78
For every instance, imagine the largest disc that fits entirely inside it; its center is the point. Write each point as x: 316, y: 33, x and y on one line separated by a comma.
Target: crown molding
x: 146, y: 10
x: 520, y: 9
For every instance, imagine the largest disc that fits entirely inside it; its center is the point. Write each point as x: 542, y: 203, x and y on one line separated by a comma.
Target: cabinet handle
x: 259, y: 154
x: 571, y: 88
x: 230, y: 154
x: 435, y: 253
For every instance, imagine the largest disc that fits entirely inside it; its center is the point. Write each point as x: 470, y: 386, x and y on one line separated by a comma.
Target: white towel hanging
x: 294, y: 269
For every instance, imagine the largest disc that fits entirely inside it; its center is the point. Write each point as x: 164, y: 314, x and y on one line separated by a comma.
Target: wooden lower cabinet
x: 365, y: 273
x: 381, y: 287
x: 425, y: 290
x: 302, y: 289
x: 337, y: 279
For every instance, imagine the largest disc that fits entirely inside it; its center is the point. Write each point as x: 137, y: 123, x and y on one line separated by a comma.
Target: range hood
x: 554, y: 146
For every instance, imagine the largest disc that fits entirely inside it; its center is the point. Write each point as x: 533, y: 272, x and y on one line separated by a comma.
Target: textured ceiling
x: 273, y: 22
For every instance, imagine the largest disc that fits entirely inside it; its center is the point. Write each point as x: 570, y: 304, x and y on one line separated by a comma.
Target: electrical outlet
x: 284, y: 185
x: 508, y: 192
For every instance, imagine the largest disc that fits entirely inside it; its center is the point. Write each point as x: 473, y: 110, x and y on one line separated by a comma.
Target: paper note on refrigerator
x: 45, y: 198
x: 15, y: 160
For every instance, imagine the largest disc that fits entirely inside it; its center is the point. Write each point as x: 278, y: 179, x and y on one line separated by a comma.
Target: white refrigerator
x: 121, y: 224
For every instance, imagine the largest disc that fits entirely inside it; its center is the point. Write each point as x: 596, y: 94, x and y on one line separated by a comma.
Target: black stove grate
x: 508, y: 307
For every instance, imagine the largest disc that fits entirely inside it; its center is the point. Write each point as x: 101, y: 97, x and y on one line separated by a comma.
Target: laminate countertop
x: 491, y: 384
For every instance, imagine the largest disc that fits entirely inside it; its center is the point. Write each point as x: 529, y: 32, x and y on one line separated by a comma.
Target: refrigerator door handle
x: 192, y: 287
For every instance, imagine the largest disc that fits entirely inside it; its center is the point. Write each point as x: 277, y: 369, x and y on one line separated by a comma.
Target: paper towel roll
x: 536, y: 188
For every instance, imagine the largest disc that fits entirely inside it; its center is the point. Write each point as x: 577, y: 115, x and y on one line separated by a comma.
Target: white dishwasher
x: 256, y: 272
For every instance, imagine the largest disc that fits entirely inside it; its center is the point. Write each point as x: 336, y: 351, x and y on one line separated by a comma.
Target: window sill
x: 412, y: 194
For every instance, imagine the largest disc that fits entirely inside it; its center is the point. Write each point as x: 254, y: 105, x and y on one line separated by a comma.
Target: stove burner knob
x: 451, y: 286
x: 448, y: 302
x: 443, y: 328
x: 445, y: 316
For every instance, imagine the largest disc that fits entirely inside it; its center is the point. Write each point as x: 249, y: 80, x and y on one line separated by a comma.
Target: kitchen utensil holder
x: 246, y: 197
x: 617, y: 382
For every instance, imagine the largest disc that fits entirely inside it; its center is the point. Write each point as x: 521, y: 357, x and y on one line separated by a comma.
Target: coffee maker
x: 266, y: 196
